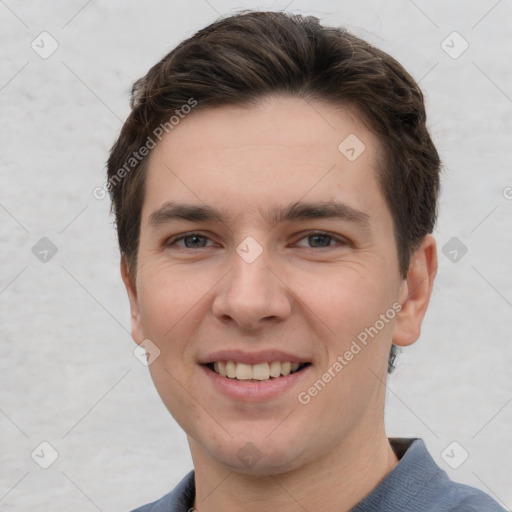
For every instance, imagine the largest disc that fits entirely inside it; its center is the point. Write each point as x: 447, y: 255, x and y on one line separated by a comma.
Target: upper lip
x: 242, y: 356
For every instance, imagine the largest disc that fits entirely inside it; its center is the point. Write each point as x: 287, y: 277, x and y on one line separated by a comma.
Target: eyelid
x: 171, y: 242
x: 340, y: 240
x: 337, y: 238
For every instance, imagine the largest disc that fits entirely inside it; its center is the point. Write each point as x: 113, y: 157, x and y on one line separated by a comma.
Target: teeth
x: 243, y: 371
x: 222, y: 368
x: 260, y: 371
x: 275, y: 369
x: 286, y: 368
x: 230, y: 369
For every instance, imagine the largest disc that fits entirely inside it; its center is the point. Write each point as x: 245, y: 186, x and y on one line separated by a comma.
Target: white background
x: 67, y: 372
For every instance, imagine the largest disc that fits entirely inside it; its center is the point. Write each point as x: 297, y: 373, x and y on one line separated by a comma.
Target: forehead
x: 283, y: 149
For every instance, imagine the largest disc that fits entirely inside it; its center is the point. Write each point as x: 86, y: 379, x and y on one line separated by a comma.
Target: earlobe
x: 415, y: 293
x: 131, y: 290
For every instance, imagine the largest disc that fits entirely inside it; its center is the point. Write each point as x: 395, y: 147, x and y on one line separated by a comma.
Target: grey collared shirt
x: 416, y: 484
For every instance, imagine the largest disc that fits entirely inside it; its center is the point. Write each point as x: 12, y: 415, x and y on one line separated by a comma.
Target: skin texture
x: 306, y: 296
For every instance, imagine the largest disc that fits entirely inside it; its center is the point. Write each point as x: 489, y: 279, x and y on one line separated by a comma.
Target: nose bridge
x: 250, y: 292
x: 250, y: 279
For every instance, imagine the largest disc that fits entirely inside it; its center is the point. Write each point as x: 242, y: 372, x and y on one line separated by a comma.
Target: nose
x: 251, y: 295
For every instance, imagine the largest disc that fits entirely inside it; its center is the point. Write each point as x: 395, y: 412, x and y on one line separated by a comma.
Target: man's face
x: 263, y: 244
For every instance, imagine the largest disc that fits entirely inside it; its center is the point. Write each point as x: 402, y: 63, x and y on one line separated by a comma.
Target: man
x: 275, y: 192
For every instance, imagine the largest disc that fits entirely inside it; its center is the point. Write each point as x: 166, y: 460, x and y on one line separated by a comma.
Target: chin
x: 255, y: 455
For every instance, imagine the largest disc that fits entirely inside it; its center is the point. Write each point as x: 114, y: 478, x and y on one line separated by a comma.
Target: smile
x: 255, y: 372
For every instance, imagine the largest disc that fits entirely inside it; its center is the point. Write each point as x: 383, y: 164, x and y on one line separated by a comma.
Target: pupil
x: 319, y: 240
x: 194, y: 241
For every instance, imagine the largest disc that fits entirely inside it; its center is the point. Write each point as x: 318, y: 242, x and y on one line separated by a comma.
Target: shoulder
x: 436, y: 492
x: 474, y: 500
x: 450, y: 496
x: 418, y: 484
x: 440, y: 493
x: 180, y: 499
x: 161, y: 505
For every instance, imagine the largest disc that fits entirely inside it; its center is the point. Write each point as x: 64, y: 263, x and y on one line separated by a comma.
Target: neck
x: 336, y: 482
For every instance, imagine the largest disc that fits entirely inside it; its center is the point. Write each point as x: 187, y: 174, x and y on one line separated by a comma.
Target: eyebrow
x: 172, y: 211
x: 319, y: 210
x: 300, y: 211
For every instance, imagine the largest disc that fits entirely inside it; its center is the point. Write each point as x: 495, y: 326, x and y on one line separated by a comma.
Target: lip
x: 254, y: 391
x: 262, y: 356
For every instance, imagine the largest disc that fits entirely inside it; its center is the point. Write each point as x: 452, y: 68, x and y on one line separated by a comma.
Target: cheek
x: 170, y: 302
x: 171, y: 306
x: 347, y: 299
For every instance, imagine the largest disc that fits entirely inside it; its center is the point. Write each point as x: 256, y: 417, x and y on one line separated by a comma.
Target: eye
x: 190, y: 241
x: 320, y: 240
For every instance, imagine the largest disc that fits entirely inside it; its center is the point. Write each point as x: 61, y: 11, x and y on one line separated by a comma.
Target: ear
x: 415, y: 292
x: 131, y: 289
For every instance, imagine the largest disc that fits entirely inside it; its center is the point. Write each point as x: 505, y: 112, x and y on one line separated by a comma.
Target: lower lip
x: 254, y: 391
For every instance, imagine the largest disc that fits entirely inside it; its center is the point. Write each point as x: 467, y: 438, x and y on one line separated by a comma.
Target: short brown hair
x: 242, y: 58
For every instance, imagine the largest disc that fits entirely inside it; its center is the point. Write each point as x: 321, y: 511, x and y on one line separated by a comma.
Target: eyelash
x: 338, y: 240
